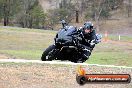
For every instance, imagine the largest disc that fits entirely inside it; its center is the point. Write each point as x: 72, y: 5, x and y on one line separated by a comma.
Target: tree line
x: 30, y: 14
x: 23, y: 13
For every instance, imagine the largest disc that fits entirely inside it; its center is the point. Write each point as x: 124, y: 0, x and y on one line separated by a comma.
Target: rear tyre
x: 79, y: 59
x: 84, y: 57
x: 46, y: 56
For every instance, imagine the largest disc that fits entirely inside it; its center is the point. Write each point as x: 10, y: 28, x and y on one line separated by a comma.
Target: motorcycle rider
x: 88, y: 40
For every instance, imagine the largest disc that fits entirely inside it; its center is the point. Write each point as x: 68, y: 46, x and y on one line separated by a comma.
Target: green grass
x: 111, y: 54
x: 17, y: 29
x: 20, y: 39
x: 23, y: 43
x: 23, y: 54
x: 122, y: 38
x: 110, y: 58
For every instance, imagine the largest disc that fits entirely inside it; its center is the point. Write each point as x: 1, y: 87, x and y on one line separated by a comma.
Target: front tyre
x: 46, y: 56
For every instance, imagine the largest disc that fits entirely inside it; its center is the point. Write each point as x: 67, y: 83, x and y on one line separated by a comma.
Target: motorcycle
x: 66, y: 45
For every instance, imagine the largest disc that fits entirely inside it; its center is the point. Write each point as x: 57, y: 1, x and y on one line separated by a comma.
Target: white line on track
x: 56, y: 62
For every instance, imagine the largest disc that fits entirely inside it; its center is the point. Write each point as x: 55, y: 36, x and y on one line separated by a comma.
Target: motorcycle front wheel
x: 47, y: 56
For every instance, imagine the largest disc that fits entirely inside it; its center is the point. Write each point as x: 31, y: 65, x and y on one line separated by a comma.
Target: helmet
x: 88, y: 25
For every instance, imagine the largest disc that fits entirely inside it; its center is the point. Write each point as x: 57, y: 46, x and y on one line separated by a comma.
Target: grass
x: 122, y: 38
x: 111, y: 54
x: 23, y: 43
x: 110, y: 58
x: 20, y: 39
x: 23, y: 54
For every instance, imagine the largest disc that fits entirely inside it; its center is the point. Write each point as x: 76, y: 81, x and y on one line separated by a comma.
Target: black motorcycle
x: 66, y: 46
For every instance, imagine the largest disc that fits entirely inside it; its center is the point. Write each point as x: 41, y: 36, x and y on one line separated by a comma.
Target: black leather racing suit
x: 87, y: 43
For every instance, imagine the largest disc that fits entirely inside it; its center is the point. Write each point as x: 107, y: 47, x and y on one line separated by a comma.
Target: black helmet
x: 88, y: 25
